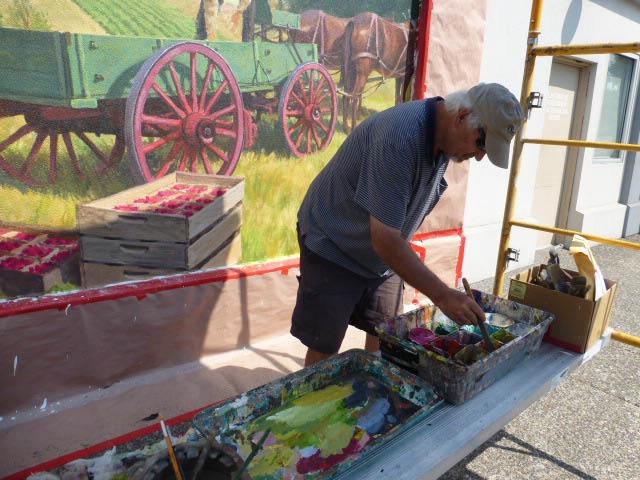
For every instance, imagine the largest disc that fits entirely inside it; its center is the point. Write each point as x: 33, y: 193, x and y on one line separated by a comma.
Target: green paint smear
x: 273, y: 458
x: 336, y: 439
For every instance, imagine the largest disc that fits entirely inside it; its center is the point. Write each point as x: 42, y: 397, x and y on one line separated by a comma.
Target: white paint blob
x: 15, y: 365
x: 44, y: 405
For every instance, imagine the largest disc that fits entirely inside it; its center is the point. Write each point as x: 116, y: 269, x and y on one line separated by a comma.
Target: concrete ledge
x: 631, y: 220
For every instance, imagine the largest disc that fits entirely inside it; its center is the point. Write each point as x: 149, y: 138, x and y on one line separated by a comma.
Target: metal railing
x: 534, y: 51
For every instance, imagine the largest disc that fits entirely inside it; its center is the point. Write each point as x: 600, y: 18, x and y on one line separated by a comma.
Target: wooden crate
x: 161, y: 254
x: 41, y: 271
x: 100, y: 218
x: 98, y: 274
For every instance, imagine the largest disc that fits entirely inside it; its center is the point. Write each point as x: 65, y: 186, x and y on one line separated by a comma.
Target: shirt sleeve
x: 385, y: 181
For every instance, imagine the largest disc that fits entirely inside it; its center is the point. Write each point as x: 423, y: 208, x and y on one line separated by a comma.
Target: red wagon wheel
x: 308, y: 109
x: 55, y: 138
x: 184, y: 112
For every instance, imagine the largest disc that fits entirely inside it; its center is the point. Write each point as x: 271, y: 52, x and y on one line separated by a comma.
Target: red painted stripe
x: 103, y: 446
x: 463, y: 241
x: 439, y: 234
x: 142, y: 288
x: 424, y: 34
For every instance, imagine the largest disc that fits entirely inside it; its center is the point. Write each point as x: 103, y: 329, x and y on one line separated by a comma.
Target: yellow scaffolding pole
x: 508, y: 220
x: 593, y: 48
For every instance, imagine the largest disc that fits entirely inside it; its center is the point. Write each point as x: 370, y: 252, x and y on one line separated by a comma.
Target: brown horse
x: 327, y: 32
x: 371, y: 43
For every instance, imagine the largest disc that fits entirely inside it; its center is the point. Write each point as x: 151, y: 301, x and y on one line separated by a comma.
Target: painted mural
x: 98, y: 101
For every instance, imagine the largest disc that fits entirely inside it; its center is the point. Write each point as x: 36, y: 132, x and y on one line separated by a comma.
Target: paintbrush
x: 481, y: 325
x: 172, y: 454
x: 254, y: 452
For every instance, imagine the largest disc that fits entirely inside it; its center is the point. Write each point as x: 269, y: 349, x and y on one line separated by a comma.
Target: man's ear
x: 462, y: 115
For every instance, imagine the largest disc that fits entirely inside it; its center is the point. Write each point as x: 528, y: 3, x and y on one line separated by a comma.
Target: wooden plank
x: 98, y: 274
x: 212, y: 240
x: 15, y: 283
x: 99, y: 218
x: 161, y: 254
x: 453, y: 432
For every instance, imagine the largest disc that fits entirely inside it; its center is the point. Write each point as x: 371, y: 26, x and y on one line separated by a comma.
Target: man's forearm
x: 398, y: 254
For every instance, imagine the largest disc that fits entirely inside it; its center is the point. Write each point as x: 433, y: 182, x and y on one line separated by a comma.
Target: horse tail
x: 347, y: 72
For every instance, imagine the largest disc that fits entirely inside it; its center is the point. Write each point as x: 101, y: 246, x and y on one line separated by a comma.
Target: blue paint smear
x: 374, y: 419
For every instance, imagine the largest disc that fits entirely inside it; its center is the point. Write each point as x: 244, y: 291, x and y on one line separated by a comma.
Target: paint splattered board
x: 454, y: 359
x: 320, y: 421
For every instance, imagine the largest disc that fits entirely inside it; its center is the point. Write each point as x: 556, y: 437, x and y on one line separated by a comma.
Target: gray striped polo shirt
x: 385, y: 168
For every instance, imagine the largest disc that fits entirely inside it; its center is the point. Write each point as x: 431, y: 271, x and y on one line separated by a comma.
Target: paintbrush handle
x: 481, y: 325
x: 172, y: 454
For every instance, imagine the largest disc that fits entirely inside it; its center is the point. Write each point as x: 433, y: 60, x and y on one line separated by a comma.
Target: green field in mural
x: 143, y: 18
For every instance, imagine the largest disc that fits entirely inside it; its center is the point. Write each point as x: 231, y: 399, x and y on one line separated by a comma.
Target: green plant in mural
x: 23, y: 14
x: 145, y: 18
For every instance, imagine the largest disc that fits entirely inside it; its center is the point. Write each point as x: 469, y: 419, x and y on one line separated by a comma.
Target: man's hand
x: 459, y: 307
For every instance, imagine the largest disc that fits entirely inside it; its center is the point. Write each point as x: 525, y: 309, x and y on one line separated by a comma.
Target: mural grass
x: 275, y: 185
x: 144, y: 18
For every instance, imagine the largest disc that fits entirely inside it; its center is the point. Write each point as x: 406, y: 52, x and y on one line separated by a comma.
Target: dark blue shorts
x: 330, y: 298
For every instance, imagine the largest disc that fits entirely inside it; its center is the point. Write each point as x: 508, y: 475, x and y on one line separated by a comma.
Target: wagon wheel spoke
x: 115, y: 156
x: 194, y: 82
x: 303, y: 91
x: 186, y: 155
x: 311, y: 89
x: 150, y: 147
x: 226, y: 132
x: 194, y: 161
x: 308, y: 140
x: 321, y: 84
x: 205, y: 160
x: 299, y: 139
x: 162, y: 122
x: 221, y: 113
x: 168, y: 163
x: 216, y: 96
x: 163, y: 95
x: 225, y: 123
x: 17, y: 135
x: 205, y: 86
x: 295, y: 126
x: 66, y: 137
x: 92, y: 146
x: 219, y: 153
x: 324, y: 128
x: 178, y: 85
x: 298, y: 99
x: 295, y: 113
x: 53, y: 157
x: 28, y: 164
x: 316, y: 136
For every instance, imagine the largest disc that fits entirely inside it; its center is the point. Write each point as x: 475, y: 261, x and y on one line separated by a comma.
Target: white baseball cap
x: 500, y: 115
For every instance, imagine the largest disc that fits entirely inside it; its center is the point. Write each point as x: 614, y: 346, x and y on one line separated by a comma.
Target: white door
x: 559, y: 107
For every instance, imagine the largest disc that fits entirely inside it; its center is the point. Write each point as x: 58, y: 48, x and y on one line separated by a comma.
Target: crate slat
x: 100, y: 219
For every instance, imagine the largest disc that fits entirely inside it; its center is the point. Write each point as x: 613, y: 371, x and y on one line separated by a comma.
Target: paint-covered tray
x: 318, y: 422
x: 454, y: 359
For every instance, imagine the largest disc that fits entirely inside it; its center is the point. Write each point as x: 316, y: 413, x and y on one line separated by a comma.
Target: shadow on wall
x: 571, y: 21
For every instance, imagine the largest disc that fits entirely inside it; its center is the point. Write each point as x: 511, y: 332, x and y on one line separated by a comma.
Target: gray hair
x: 456, y: 101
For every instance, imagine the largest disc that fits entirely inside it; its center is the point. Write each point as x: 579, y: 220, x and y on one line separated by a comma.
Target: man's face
x: 466, y: 141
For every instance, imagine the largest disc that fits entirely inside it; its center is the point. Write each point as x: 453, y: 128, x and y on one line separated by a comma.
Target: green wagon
x: 174, y: 104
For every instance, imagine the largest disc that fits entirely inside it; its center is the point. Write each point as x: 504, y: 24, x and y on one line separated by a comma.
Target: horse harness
x: 374, y: 33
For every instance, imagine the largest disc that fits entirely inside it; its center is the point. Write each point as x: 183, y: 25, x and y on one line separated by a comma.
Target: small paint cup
x: 421, y: 336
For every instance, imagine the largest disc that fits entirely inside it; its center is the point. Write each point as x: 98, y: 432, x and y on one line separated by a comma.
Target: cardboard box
x: 579, y: 323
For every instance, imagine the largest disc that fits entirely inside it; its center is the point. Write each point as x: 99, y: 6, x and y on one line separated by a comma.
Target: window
x: 615, y: 104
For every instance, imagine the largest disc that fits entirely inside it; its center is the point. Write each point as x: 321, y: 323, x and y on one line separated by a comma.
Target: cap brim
x: 497, y: 151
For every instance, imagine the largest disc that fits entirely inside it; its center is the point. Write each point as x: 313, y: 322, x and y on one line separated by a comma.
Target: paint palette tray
x: 454, y: 359
x: 321, y: 420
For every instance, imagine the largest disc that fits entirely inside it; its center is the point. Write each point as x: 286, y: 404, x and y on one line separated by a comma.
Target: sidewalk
x: 589, y: 428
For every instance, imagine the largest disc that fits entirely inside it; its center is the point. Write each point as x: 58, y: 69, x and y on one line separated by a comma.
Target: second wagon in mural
x: 175, y: 104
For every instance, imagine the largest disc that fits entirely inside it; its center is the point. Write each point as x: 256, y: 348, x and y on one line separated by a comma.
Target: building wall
x: 594, y: 205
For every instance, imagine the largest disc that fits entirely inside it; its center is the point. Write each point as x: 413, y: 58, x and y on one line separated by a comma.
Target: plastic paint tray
x: 456, y: 381
x: 231, y: 421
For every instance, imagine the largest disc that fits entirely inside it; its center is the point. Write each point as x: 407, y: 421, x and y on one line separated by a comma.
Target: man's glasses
x: 481, y: 138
